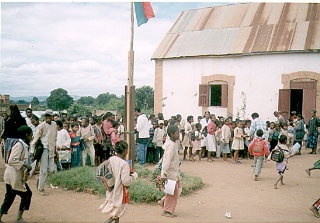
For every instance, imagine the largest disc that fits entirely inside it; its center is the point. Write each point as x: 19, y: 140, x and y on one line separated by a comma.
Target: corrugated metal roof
x: 243, y: 29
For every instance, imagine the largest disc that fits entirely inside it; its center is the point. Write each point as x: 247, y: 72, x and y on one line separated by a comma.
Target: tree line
x: 60, y: 100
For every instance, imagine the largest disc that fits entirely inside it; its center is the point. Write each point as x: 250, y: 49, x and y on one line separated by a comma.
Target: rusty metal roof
x: 243, y: 29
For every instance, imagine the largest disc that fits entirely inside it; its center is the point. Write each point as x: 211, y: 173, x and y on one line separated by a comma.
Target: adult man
x: 143, y: 127
x: 28, y: 118
x: 204, y: 123
x: 87, y: 134
x: 279, y: 117
x: 312, y: 126
x: 107, y: 129
x: 47, y: 133
x: 256, y: 124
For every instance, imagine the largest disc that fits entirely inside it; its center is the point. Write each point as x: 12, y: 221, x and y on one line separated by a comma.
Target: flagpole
x: 130, y: 97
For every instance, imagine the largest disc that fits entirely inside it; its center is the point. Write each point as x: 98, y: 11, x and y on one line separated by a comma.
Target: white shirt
x: 204, y: 122
x: 63, y: 139
x: 143, y: 126
x: 28, y: 120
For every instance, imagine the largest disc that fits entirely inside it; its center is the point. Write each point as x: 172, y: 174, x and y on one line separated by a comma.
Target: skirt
x: 313, y: 140
x: 211, y: 146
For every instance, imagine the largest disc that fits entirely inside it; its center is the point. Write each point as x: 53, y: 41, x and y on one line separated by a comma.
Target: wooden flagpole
x: 130, y: 93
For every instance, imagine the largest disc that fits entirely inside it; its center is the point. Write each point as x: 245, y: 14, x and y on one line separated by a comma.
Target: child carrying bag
x: 104, y: 175
x: 277, y: 155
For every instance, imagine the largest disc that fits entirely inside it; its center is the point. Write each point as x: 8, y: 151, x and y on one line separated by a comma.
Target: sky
x: 80, y: 47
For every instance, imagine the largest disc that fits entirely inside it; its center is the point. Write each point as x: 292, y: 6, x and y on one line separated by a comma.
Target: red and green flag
x: 144, y: 12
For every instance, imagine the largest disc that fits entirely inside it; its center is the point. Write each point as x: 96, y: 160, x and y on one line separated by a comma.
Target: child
x: 274, y: 137
x: 118, y: 198
x: 170, y: 171
x: 284, y: 131
x: 186, y: 142
x: 197, y: 142
x: 259, y: 149
x: 16, y: 174
x: 211, y: 139
x: 281, y: 166
x: 290, y: 134
x: 225, y: 139
x: 158, y: 140
x: 238, y: 143
x: 217, y: 134
x: 87, y: 134
x: 62, y: 144
x: 75, y: 145
x: 121, y: 129
x: 150, y: 146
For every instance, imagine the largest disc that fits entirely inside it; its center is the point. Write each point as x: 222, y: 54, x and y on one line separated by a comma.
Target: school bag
x: 258, y: 146
x: 277, y: 155
x: 104, y: 175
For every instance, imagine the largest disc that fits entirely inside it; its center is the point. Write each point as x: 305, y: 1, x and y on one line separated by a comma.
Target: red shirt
x: 211, y: 128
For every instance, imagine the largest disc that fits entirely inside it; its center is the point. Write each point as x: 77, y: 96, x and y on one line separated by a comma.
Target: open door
x: 309, y: 103
x: 284, y: 103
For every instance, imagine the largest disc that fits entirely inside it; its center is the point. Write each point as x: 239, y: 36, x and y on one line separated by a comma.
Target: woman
x: 170, y: 171
x: 11, y: 126
x: 299, y: 132
x: 118, y: 198
x: 16, y: 174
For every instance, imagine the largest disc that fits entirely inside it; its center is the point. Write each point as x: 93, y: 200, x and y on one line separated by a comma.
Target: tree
x: 22, y: 102
x: 59, y: 99
x: 79, y: 109
x: 144, y: 97
x: 86, y: 100
x: 35, y: 101
x: 104, y: 98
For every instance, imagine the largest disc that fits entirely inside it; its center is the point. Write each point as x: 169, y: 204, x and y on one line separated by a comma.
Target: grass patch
x: 143, y: 190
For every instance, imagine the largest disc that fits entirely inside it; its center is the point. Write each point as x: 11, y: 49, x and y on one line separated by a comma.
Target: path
x: 229, y: 187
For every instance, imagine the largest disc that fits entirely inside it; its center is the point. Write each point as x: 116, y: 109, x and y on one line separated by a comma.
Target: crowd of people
x: 67, y: 141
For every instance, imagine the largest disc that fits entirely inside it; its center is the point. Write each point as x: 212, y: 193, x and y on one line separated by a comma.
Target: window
x: 213, y: 94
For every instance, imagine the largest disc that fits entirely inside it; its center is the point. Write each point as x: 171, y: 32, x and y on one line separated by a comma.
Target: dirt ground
x: 229, y: 187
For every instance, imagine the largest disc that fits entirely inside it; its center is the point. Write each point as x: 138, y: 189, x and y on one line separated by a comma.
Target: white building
x: 239, y: 59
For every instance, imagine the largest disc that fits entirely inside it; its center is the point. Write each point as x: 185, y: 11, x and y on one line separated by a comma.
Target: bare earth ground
x: 229, y: 187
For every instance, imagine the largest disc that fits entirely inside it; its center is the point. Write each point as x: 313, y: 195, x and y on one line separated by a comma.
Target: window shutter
x: 284, y: 102
x: 224, y: 95
x: 204, y: 95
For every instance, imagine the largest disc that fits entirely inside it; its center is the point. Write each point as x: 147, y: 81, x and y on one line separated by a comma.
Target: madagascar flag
x: 144, y: 12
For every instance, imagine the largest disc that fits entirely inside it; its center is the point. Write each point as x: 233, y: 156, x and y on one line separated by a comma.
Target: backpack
x: 258, y: 146
x: 8, y: 148
x: 277, y: 155
x: 104, y: 175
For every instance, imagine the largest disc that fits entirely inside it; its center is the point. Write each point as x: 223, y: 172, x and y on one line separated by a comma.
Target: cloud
x: 81, y: 47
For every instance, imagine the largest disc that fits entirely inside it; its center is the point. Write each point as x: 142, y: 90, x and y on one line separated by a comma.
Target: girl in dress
x: 238, y: 143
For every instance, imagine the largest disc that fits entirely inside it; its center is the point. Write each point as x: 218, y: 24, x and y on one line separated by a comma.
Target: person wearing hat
x: 312, y: 126
x: 47, y: 134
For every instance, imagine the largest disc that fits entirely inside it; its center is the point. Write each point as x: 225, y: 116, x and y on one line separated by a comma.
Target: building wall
x: 257, y: 78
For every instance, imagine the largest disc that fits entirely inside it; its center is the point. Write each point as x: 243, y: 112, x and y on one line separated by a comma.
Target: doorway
x: 296, y: 100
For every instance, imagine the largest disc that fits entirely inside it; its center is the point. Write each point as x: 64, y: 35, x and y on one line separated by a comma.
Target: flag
x: 143, y: 11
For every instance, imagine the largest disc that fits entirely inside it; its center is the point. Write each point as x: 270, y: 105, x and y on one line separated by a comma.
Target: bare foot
x: 275, y: 186
x: 308, y: 172
x: 256, y: 178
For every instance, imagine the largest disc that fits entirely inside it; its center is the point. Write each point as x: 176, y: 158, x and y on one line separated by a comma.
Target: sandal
x: 168, y: 214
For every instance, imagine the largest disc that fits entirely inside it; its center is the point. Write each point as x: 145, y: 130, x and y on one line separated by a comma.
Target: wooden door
x: 284, y: 103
